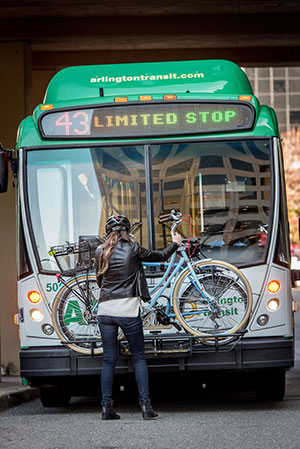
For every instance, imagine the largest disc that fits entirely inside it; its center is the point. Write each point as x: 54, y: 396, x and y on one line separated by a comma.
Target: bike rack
x: 184, y: 344
x: 168, y: 344
x: 82, y: 340
x: 238, y: 335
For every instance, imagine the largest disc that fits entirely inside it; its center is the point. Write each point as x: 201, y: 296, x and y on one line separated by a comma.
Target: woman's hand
x: 176, y: 238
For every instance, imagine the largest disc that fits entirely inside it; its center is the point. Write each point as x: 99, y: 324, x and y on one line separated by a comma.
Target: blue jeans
x: 133, y: 331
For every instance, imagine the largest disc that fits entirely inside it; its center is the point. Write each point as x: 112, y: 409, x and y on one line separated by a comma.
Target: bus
x: 143, y: 139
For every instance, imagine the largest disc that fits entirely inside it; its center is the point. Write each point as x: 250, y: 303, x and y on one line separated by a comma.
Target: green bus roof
x: 207, y: 77
x: 209, y: 80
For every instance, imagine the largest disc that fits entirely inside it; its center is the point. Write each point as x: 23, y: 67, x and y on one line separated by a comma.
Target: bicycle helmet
x: 117, y: 223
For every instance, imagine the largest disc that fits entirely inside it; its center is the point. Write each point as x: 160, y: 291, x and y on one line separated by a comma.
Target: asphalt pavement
x: 13, y: 392
x: 218, y: 418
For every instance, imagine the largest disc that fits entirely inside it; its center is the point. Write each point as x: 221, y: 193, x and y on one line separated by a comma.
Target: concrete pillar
x: 15, y: 82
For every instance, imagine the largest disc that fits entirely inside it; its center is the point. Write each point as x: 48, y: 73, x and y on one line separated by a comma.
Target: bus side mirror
x: 3, y: 171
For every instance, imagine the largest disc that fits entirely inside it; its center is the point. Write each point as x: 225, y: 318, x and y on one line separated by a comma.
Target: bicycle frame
x: 172, y: 273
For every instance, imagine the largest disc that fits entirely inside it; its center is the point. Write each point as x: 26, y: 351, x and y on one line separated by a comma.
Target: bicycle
x: 74, y: 309
x: 208, y: 299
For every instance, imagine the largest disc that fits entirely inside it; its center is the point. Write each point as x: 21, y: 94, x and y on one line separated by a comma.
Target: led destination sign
x: 155, y: 119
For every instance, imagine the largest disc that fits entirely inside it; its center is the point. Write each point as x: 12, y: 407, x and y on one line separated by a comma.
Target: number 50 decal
x: 53, y: 286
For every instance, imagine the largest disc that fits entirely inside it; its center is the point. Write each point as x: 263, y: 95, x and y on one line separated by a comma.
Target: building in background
x: 278, y: 87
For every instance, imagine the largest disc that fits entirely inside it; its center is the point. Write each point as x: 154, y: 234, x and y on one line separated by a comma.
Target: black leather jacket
x: 125, y: 276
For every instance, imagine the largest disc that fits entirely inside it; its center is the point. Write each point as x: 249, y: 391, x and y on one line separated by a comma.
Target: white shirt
x: 127, y: 307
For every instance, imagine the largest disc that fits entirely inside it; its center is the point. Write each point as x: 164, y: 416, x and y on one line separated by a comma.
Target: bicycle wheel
x: 74, y: 314
x: 221, y: 307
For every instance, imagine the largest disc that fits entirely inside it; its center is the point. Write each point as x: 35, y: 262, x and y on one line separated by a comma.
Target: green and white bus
x: 144, y: 139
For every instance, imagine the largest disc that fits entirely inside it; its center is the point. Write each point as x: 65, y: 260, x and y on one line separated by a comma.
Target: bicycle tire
x: 74, y: 314
x: 233, y: 311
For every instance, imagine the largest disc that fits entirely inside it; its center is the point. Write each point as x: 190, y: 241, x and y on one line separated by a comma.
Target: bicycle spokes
x: 222, y: 305
x: 75, y: 314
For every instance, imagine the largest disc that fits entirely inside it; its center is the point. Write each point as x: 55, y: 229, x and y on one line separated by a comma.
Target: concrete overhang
x: 245, y: 31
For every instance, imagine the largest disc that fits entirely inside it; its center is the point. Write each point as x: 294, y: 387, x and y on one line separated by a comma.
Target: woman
x: 123, y: 284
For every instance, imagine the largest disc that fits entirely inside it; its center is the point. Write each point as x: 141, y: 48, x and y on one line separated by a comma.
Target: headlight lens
x: 273, y: 304
x: 34, y: 297
x: 273, y: 287
x: 36, y: 315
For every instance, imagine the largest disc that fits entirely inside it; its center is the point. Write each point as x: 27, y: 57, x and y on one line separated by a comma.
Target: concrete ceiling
x: 243, y: 30
x: 11, y: 9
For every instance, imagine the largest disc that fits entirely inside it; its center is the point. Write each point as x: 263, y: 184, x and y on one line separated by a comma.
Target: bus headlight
x: 262, y: 320
x: 36, y: 315
x: 273, y: 287
x: 34, y: 297
x: 47, y: 329
x: 273, y: 304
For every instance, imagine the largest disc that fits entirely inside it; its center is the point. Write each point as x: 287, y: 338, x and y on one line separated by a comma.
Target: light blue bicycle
x: 207, y: 299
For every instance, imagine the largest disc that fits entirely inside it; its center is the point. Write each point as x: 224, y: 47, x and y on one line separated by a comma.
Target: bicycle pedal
x: 177, y: 326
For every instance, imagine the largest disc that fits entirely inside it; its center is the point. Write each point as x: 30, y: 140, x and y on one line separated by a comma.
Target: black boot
x: 108, y: 411
x: 147, y: 410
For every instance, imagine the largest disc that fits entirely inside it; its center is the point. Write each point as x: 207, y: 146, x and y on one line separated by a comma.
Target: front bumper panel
x: 246, y: 354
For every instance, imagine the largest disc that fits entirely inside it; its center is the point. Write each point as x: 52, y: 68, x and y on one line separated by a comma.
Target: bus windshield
x: 225, y: 186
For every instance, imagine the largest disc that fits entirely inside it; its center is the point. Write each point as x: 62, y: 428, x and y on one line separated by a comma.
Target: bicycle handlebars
x: 173, y: 216
x: 163, y: 218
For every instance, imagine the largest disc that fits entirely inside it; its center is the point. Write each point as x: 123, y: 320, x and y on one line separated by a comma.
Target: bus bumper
x: 41, y: 364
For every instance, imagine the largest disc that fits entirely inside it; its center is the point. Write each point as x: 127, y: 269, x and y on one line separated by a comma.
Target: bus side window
x: 283, y: 252
x: 24, y: 267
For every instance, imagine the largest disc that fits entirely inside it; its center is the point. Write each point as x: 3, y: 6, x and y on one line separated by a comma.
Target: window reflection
x: 72, y: 192
x: 224, y: 186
